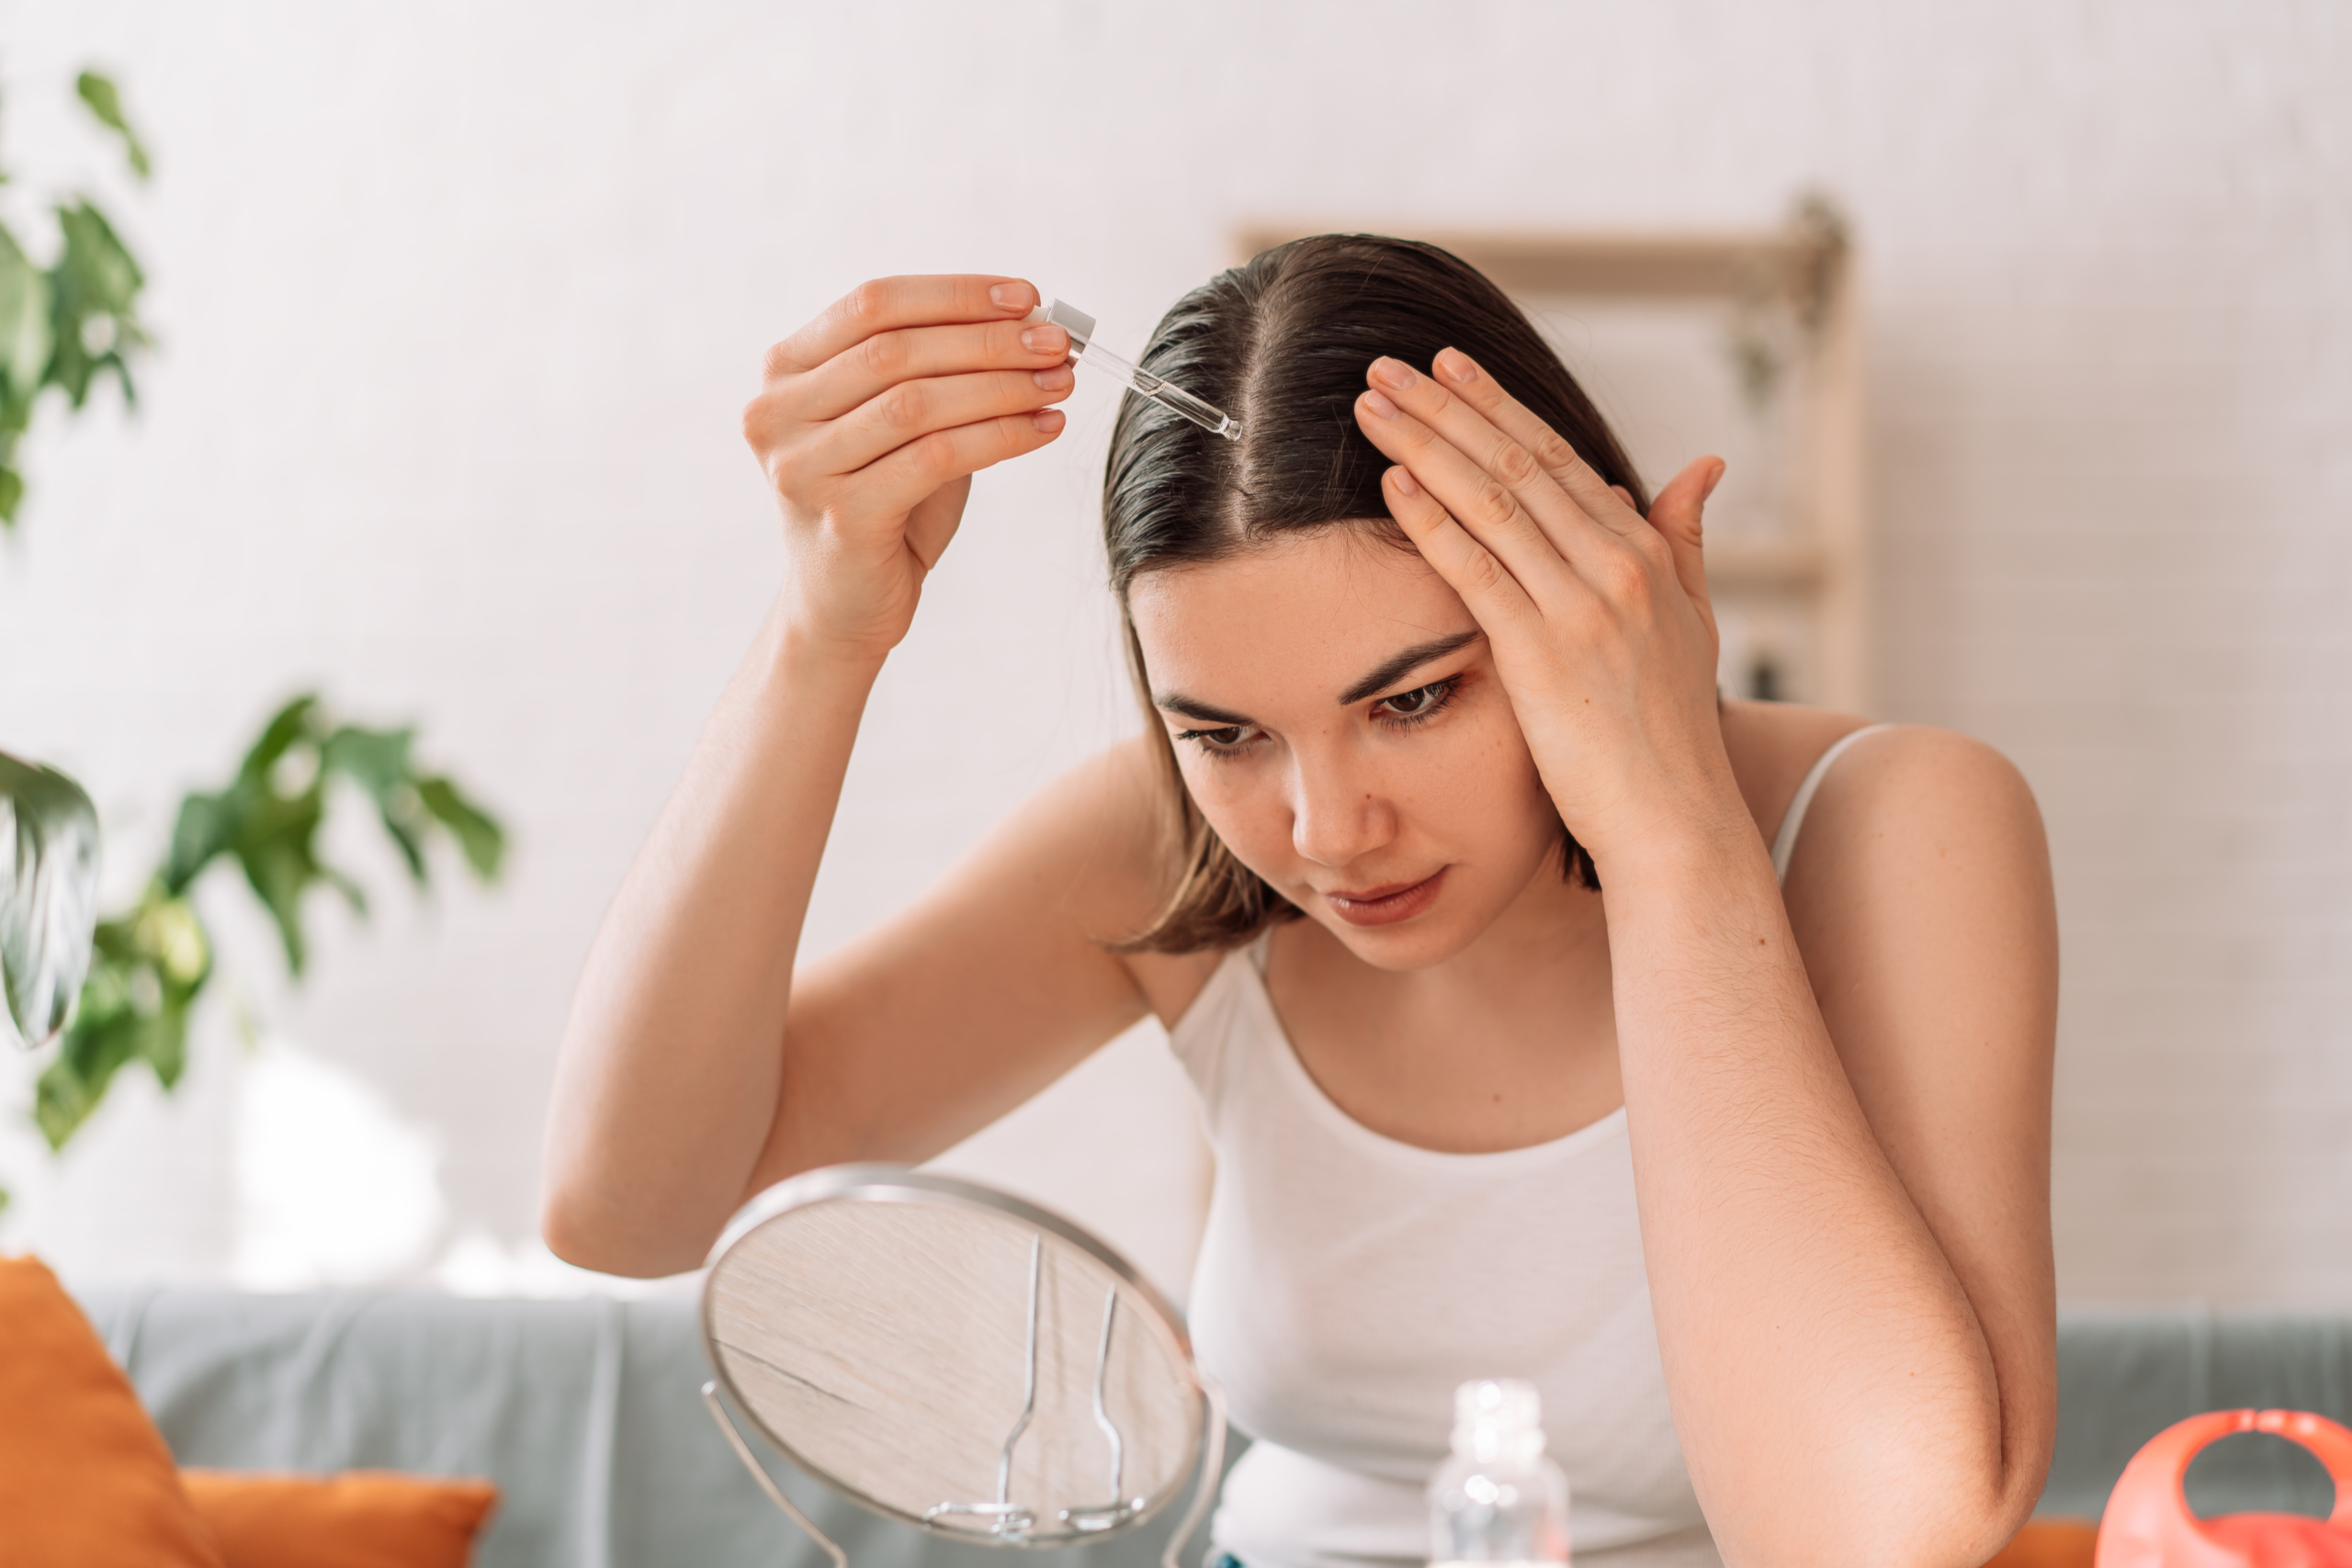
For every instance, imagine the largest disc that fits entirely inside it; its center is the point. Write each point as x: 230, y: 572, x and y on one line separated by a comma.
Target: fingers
x: 1460, y: 375
x: 1568, y: 527
x: 918, y: 468
x: 886, y: 304
x: 866, y: 369
x: 1677, y: 512
x: 1481, y: 502
x: 1486, y: 586
x: 912, y: 409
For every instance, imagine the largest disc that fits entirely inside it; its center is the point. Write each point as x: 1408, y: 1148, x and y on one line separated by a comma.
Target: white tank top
x: 1347, y: 1282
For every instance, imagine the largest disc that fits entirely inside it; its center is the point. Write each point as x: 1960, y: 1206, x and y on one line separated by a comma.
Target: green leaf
x: 277, y: 846
x: 271, y: 832
x: 25, y: 328
x: 147, y: 968
x: 478, y: 833
x: 403, y: 825
x: 63, y: 1100
x: 102, y: 266
x: 94, y: 291
x: 76, y: 322
x: 286, y: 725
x: 207, y: 826
x: 151, y: 963
x: 106, y: 103
x: 377, y: 761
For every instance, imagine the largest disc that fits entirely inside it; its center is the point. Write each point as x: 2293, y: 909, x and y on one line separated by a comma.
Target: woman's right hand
x: 872, y: 421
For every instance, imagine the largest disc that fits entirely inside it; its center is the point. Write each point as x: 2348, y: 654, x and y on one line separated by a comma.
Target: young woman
x: 1534, y: 1037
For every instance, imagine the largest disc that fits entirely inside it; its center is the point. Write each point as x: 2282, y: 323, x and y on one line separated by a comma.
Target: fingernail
x: 1379, y: 404
x: 1456, y: 366
x: 1053, y: 381
x: 1047, y: 420
x: 1720, y: 471
x: 1010, y: 296
x: 1392, y: 372
x: 1402, y: 478
x: 1045, y: 340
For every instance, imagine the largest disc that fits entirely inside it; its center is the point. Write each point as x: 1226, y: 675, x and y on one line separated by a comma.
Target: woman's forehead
x: 1339, y: 596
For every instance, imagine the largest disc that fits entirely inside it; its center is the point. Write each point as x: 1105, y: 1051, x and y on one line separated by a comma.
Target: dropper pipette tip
x: 1082, y: 346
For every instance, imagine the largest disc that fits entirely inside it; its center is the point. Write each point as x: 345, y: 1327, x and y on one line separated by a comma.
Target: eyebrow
x: 1177, y: 702
x: 1390, y: 672
x: 1395, y: 668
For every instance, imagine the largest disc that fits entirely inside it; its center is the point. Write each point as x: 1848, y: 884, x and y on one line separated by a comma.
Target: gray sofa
x: 588, y: 1414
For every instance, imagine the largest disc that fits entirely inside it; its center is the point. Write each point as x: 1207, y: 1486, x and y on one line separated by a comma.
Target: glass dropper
x: 1082, y: 346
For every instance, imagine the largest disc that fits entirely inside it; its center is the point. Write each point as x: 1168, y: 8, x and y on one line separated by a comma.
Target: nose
x: 1338, y: 812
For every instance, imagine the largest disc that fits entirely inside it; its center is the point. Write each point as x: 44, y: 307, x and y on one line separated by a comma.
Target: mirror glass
x: 950, y: 1355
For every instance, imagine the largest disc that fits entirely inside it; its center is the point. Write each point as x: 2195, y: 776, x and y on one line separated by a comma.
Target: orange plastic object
x: 2148, y: 1525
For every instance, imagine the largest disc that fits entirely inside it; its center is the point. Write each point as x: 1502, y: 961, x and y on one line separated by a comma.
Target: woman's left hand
x: 1598, y: 616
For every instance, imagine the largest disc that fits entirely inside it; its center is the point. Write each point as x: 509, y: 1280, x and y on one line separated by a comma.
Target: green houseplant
x: 133, y: 978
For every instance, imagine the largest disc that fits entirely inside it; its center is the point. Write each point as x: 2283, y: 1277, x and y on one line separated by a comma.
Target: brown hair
x: 1281, y: 344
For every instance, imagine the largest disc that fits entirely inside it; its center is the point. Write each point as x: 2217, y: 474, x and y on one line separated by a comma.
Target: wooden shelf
x: 1798, y: 568
x: 1797, y: 264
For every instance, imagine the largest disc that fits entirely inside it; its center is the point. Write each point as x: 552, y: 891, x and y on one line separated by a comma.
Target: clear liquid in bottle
x: 1498, y: 1501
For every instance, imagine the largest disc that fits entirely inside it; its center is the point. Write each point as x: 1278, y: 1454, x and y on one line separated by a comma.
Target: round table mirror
x: 952, y: 1357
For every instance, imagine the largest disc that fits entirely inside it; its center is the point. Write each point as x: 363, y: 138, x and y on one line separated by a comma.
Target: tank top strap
x: 1784, y: 842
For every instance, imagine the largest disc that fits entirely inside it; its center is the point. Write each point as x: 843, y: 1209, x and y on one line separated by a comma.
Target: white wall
x: 458, y: 304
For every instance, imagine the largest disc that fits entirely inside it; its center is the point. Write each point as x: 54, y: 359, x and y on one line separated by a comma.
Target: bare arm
x: 1843, y: 1201
x: 985, y: 989
x: 667, y: 1079
x: 871, y: 422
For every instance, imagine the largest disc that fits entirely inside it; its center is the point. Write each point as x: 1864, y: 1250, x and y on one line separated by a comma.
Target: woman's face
x: 1338, y: 717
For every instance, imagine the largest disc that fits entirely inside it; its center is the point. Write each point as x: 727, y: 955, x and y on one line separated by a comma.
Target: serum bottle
x: 1499, y: 1500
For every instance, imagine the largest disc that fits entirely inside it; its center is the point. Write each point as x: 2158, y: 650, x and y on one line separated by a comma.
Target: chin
x: 1399, y: 950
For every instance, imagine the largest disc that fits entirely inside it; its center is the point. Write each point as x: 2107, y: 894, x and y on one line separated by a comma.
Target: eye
x: 1422, y: 703
x: 1412, y: 701
x: 1231, y: 738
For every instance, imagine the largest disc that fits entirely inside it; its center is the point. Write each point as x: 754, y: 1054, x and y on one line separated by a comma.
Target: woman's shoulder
x: 1909, y: 818
x: 1901, y: 771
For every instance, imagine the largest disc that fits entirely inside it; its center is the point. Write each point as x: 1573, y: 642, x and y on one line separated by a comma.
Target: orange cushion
x: 2050, y: 1543
x: 85, y: 1477
x: 362, y: 1519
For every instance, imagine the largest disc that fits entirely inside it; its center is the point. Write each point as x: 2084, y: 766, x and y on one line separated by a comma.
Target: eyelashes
x: 1216, y: 742
x: 1426, y: 703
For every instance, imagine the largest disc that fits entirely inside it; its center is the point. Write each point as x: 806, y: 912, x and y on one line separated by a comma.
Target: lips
x: 1385, y: 906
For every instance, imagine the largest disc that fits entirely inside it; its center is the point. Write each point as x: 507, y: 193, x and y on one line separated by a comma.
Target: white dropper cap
x: 1497, y: 1418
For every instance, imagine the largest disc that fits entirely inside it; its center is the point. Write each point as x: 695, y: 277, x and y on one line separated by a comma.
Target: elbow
x: 1945, y: 1536
x: 571, y: 1236
x: 569, y: 1221
x: 1966, y: 1538
x: 1924, y: 1505
x: 1950, y: 1520
x: 584, y: 1233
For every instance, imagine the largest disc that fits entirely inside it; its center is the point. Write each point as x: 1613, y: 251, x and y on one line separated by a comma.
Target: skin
x: 1837, y: 1094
